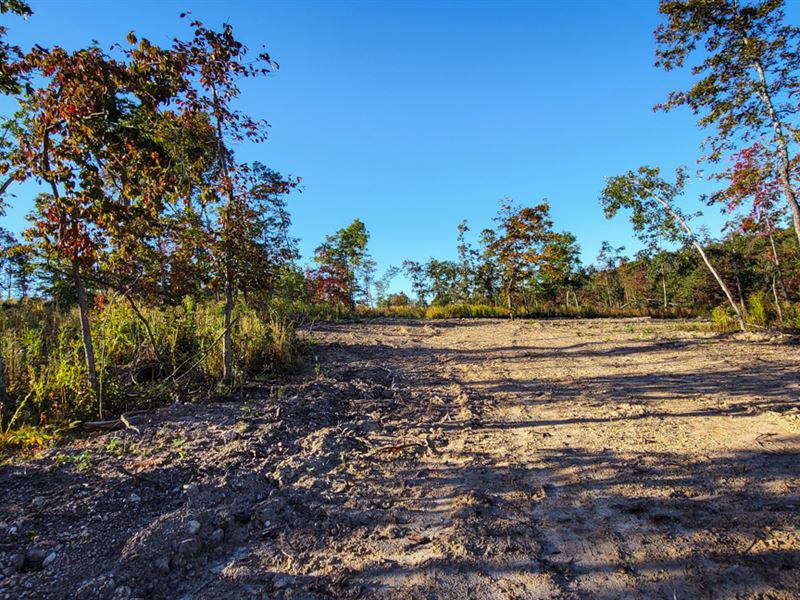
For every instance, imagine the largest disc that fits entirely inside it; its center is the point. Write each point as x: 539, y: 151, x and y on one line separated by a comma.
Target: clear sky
x: 415, y: 115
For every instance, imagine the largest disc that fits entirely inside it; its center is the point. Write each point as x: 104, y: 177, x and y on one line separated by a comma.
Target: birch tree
x: 655, y: 215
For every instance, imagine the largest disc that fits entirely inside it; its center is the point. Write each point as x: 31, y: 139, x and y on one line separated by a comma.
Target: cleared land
x: 461, y: 459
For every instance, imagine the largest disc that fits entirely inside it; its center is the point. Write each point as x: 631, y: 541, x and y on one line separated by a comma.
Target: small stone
x: 38, y: 503
x: 229, y: 436
x: 49, y: 559
x: 193, y: 527
x: 221, y: 519
x: 217, y: 536
x: 161, y: 564
x: 135, y: 498
x: 188, y: 547
x: 33, y: 559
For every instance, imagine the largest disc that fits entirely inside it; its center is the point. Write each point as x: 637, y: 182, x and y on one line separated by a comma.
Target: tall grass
x: 45, y: 368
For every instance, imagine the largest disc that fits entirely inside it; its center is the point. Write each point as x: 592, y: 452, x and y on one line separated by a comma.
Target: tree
x: 367, y: 276
x: 345, y: 253
x: 655, y: 215
x: 261, y: 245
x: 466, y: 264
x: 748, y: 74
x: 609, y: 259
x: 16, y: 266
x: 83, y: 130
x: 754, y: 186
x: 329, y: 282
x: 522, y: 246
x: 213, y: 63
x: 558, y: 272
x: 383, y: 283
x: 486, y: 271
x: 443, y: 276
x: 419, y: 280
x: 398, y: 299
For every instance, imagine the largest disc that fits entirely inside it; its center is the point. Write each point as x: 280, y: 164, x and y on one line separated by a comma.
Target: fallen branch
x: 136, y: 476
x: 392, y: 448
x: 122, y: 422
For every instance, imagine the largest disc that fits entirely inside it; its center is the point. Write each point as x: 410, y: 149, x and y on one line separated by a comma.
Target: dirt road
x: 458, y: 459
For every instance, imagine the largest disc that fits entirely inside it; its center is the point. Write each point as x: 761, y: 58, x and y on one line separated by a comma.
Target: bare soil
x: 454, y: 459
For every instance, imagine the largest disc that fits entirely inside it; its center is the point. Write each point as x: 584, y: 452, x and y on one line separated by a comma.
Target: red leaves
x: 753, y: 184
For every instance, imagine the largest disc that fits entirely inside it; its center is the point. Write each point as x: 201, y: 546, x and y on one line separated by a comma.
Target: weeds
x: 81, y: 461
x: 45, y: 372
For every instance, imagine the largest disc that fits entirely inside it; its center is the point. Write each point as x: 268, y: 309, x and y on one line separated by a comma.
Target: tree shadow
x: 345, y: 485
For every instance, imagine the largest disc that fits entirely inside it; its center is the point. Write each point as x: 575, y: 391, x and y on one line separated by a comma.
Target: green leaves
x: 731, y: 40
x: 650, y: 200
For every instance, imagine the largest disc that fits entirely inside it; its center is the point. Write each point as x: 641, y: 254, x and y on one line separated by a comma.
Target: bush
x: 724, y: 319
x: 758, y: 308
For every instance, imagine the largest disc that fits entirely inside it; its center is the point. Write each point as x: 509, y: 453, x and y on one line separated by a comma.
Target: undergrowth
x: 47, y: 388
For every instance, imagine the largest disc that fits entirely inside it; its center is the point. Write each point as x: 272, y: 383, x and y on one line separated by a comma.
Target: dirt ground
x: 453, y: 459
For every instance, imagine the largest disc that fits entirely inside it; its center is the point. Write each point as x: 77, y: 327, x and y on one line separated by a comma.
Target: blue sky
x: 415, y: 115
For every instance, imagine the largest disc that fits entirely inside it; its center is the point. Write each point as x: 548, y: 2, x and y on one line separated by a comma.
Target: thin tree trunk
x: 722, y: 285
x: 147, y: 327
x: 5, y: 408
x: 738, y: 282
x: 223, y: 157
x: 664, y: 286
x: 776, y: 261
x: 86, y: 330
x: 783, y: 148
x: 699, y: 248
x: 227, y: 341
x: 777, y: 301
x: 80, y: 288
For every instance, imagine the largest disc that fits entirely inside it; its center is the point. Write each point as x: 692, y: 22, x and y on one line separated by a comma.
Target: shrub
x: 758, y: 308
x: 723, y: 319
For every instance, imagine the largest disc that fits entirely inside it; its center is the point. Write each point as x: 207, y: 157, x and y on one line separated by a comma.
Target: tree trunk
x: 699, y: 248
x: 147, y: 327
x: 86, y: 330
x: 5, y: 408
x: 777, y: 262
x: 80, y: 288
x: 664, y: 286
x: 224, y: 158
x: 777, y: 301
x: 783, y: 148
x: 227, y: 341
x: 738, y: 281
x: 722, y: 285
